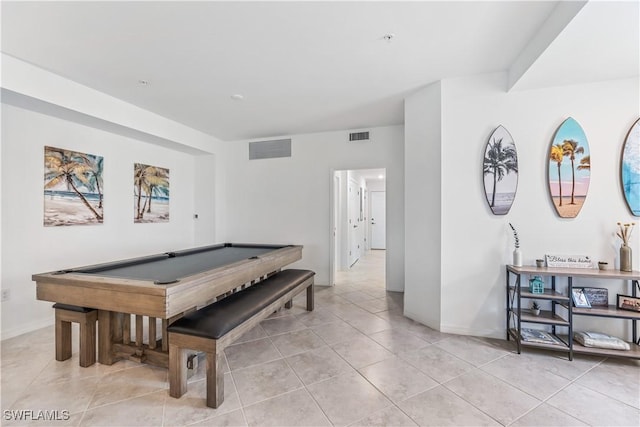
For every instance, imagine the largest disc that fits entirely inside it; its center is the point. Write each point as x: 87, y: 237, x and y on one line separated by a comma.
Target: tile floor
x: 354, y: 361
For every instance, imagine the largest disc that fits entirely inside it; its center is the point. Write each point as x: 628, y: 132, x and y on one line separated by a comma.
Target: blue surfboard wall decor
x: 630, y: 169
x: 500, y: 171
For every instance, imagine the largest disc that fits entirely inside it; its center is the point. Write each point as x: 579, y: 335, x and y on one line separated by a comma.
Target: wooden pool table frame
x: 114, y: 297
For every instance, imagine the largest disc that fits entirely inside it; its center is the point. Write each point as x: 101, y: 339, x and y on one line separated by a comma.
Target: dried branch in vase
x: 515, y: 236
x: 624, y: 232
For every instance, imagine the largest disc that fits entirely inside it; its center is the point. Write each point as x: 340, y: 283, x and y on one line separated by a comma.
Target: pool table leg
x: 110, y: 325
x: 105, y: 337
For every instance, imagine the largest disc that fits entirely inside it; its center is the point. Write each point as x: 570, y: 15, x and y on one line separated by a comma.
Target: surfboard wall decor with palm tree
x: 569, y: 169
x: 150, y: 193
x: 72, y: 188
x: 500, y: 171
x: 630, y: 169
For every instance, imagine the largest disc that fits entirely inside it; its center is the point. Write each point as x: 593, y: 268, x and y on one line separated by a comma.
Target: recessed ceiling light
x: 380, y: 176
x: 143, y: 82
x: 237, y: 97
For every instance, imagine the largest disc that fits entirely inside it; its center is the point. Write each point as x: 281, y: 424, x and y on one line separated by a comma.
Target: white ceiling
x: 301, y: 66
x: 601, y: 43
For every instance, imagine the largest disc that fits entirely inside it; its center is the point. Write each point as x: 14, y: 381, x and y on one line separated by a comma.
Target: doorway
x: 355, y: 236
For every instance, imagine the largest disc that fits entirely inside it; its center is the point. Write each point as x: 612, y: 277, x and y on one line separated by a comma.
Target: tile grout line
x: 304, y: 386
x: 357, y: 370
x: 574, y: 382
x: 478, y: 368
x: 327, y: 379
x: 470, y: 403
x: 164, y: 406
x: 235, y: 385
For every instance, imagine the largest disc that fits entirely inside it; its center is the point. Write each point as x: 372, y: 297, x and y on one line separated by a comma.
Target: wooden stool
x: 86, y: 318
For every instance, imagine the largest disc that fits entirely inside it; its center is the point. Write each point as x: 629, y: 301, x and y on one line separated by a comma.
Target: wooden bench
x: 214, y: 327
x: 86, y: 318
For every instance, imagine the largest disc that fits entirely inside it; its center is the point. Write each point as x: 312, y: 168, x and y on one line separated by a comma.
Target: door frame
x: 334, y: 252
x: 354, y: 212
x: 333, y: 225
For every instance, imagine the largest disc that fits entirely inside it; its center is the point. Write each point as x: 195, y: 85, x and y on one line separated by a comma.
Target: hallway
x: 368, y: 271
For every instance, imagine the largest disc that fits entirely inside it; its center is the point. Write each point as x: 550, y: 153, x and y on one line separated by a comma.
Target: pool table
x: 160, y: 286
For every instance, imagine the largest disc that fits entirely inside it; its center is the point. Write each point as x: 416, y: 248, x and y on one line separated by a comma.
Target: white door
x: 378, y: 219
x: 353, y: 209
x: 336, y: 231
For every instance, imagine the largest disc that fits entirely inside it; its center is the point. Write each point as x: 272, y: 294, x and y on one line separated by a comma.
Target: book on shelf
x: 538, y: 336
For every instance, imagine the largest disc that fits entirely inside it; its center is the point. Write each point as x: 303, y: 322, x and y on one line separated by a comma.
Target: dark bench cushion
x: 215, y: 320
x: 68, y: 307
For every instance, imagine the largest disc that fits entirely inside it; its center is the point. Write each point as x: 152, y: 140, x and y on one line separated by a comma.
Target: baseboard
x: 25, y: 328
x: 433, y: 323
x: 484, y: 333
x: 399, y: 288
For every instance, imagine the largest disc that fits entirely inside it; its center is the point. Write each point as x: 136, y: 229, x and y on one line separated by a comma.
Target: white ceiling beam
x: 27, y: 86
x: 557, y: 21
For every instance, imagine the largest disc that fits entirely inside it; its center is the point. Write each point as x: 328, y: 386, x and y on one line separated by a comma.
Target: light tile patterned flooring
x: 354, y: 361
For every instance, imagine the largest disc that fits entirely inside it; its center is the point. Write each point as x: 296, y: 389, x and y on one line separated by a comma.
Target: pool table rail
x: 143, y: 297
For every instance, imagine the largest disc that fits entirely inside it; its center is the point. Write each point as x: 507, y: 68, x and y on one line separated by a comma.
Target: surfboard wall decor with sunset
x: 569, y: 169
x: 500, y: 171
x: 630, y: 169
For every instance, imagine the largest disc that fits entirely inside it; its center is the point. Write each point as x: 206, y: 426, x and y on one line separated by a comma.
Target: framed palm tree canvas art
x: 72, y: 188
x: 630, y: 169
x: 569, y: 169
x: 150, y: 193
x: 500, y: 171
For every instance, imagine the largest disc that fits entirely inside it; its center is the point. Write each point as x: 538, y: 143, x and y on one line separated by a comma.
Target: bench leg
x: 310, y: 297
x: 215, y: 380
x: 63, y: 339
x: 177, y: 371
x: 88, y: 340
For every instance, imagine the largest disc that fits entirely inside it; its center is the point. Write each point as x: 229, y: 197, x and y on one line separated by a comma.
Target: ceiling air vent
x: 270, y: 149
x: 359, y: 136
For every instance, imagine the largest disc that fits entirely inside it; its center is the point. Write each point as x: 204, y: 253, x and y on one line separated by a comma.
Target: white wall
x: 28, y: 247
x: 287, y: 200
x: 423, y: 210
x: 476, y: 244
x: 205, y: 188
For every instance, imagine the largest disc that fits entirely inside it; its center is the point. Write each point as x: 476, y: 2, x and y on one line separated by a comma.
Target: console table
x: 563, y: 309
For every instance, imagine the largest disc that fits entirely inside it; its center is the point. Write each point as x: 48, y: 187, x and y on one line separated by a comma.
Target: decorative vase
x: 517, y: 257
x: 535, y: 311
x: 625, y: 258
